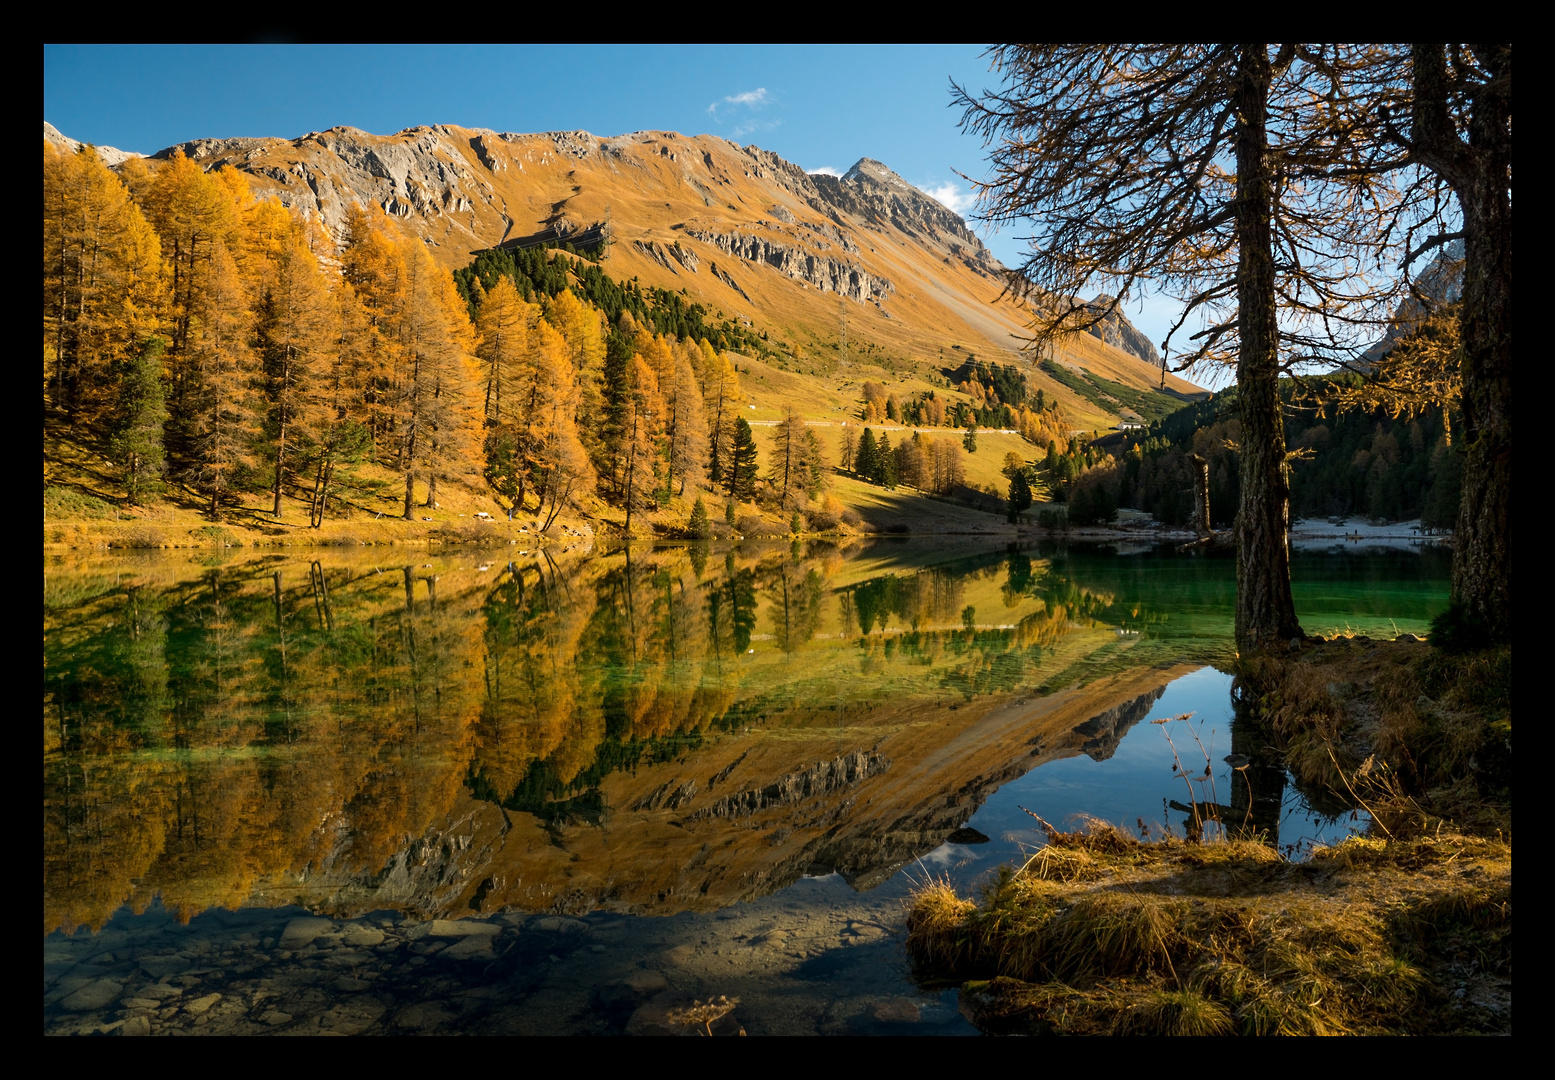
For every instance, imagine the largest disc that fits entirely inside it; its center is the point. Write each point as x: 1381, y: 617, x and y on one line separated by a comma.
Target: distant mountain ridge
x: 736, y: 227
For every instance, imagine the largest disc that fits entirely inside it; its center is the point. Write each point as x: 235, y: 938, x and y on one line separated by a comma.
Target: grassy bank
x: 1406, y: 930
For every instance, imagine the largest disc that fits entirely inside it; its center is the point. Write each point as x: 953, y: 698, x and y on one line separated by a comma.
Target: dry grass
x: 1113, y: 935
x: 1416, y: 736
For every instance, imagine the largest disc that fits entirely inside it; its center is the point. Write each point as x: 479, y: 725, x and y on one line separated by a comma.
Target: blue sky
x: 822, y: 107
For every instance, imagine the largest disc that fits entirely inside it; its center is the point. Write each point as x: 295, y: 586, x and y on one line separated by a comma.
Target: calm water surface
x: 281, y: 791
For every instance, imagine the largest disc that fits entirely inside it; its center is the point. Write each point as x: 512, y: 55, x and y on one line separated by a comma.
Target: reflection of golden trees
x: 220, y: 729
x: 102, y: 830
x: 220, y: 733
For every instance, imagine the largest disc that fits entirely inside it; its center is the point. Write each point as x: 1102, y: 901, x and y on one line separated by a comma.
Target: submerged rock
x: 302, y: 931
x: 97, y: 994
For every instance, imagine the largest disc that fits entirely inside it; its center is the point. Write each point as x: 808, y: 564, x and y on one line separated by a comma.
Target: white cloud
x: 749, y: 99
x: 951, y: 197
x: 824, y: 170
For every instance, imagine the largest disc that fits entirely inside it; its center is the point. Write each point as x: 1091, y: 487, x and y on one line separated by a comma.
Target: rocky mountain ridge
x: 737, y: 228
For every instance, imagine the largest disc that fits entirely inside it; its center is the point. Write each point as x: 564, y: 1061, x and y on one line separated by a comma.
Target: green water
x: 644, y: 732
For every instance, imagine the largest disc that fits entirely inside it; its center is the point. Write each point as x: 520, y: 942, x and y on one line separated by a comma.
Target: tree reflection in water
x: 221, y: 735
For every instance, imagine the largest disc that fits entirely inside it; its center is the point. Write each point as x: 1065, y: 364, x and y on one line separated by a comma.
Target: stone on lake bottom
x: 135, y: 1025
x: 352, y: 1017
x: 200, y: 1004
x: 97, y: 994
x: 301, y: 931
x: 158, y: 991
x: 469, y: 948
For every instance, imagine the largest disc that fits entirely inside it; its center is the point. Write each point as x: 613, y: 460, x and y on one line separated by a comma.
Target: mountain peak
x: 109, y: 155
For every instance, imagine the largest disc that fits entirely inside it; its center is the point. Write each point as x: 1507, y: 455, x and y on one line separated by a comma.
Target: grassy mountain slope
x: 917, y: 282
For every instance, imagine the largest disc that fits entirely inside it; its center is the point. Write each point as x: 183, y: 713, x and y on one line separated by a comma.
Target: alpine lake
x: 494, y: 791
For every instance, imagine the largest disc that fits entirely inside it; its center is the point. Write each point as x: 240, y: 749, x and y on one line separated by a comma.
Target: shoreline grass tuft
x: 1122, y: 936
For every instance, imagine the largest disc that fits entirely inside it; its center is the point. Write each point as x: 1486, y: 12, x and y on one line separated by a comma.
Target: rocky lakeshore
x: 799, y: 963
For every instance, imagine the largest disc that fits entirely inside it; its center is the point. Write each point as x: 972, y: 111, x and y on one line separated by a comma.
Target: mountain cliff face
x: 1118, y: 332
x: 1441, y: 282
x: 735, y: 227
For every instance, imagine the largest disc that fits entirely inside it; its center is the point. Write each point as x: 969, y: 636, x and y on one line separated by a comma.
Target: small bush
x: 752, y: 525
x: 139, y: 536
x: 70, y: 504
x: 215, y: 534
x: 825, y: 517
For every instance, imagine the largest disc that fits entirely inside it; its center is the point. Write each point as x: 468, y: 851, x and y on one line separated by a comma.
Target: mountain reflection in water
x: 654, y: 730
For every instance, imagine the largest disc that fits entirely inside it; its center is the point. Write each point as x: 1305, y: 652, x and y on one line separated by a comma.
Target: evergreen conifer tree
x: 742, y: 463
x: 699, y: 527
x: 1020, y: 495
x: 614, y: 390
x: 864, y: 463
x: 136, y: 445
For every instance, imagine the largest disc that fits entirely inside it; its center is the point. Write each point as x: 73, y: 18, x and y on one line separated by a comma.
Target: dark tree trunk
x: 410, y: 496
x: 1480, y: 175
x: 1201, y: 522
x: 631, y: 475
x: 280, y: 465
x: 1265, y: 612
x: 1482, y: 568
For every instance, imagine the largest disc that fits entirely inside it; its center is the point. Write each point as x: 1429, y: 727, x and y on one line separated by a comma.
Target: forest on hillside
x: 204, y: 339
x: 1362, y: 461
